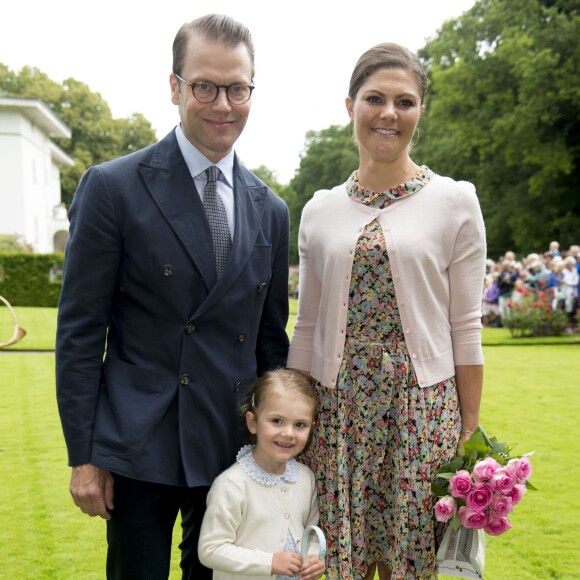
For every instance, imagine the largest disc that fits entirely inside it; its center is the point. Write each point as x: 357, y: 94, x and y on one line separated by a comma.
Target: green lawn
x: 531, y: 399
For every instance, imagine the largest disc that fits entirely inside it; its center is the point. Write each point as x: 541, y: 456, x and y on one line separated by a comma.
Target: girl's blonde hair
x: 278, y: 381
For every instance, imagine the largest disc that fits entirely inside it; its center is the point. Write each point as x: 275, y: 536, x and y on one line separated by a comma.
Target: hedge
x: 31, y: 279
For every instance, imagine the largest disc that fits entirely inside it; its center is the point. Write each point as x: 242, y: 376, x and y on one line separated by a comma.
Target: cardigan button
x: 287, y: 515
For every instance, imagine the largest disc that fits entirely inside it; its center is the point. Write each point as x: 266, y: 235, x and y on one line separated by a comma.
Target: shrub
x: 532, y: 313
x: 31, y: 279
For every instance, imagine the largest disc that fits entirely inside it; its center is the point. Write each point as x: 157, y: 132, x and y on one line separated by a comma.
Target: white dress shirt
x: 197, y: 164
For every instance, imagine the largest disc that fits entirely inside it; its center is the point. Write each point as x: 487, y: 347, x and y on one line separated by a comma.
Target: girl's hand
x: 312, y: 568
x: 286, y: 563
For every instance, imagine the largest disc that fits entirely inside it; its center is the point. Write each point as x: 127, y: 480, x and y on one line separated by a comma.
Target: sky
x: 305, y: 53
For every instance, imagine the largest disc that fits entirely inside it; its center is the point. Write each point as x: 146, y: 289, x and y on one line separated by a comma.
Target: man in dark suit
x: 170, y: 310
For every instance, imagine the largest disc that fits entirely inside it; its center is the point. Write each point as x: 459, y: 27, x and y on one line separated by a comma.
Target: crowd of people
x: 556, y: 271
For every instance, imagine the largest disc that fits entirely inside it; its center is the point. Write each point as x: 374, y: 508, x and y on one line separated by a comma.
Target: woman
x: 389, y: 321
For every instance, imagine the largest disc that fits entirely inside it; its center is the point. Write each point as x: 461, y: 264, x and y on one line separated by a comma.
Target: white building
x: 30, y: 202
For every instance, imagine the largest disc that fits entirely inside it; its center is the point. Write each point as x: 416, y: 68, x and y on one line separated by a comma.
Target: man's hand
x: 312, y: 568
x: 92, y: 490
x: 286, y: 563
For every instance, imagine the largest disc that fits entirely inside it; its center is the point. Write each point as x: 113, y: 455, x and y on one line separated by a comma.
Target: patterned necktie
x: 218, y: 221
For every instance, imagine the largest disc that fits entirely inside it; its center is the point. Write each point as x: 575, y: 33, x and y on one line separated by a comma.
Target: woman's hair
x: 278, y: 382
x: 217, y: 28
x: 387, y: 55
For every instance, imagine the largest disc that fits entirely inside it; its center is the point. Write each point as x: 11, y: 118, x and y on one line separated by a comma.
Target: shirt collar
x: 197, y: 163
x: 249, y: 465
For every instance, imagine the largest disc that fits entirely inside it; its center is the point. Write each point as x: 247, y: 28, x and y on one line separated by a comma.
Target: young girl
x: 258, y: 509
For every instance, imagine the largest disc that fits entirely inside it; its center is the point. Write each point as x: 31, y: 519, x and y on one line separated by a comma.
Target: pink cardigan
x: 436, y: 246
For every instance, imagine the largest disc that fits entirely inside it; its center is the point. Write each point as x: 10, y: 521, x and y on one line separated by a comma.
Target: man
x: 191, y: 303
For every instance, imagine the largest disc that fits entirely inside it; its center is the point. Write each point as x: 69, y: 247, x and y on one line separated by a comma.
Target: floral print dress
x: 380, y: 437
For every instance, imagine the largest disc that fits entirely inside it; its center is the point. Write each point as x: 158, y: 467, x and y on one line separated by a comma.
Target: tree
x: 96, y: 136
x: 504, y: 113
x: 329, y: 157
x: 286, y: 192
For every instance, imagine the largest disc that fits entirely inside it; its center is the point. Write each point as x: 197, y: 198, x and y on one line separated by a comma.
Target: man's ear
x: 174, y: 85
x: 251, y: 422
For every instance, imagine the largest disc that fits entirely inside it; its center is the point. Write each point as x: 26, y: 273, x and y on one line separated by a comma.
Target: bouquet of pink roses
x: 481, y: 486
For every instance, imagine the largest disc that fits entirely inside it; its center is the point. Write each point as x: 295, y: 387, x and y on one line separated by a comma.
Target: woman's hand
x: 464, y: 436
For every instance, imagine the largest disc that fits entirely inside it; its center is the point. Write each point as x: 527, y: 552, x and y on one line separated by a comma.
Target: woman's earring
x: 417, y: 132
x: 353, y: 132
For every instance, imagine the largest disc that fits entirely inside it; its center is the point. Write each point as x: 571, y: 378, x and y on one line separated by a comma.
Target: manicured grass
x: 40, y: 326
x: 531, y: 400
x: 502, y: 337
x: 42, y: 533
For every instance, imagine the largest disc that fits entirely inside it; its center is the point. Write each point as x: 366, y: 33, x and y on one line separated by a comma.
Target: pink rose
x: 484, y: 469
x: 497, y: 526
x: 460, y: 484
x: 521, y: 468
x: 503, y: 481
x: 471, y: 518
x: 445, y: 509
x: 517, y: 493
x: 479, y: 497
x: 501, y: 506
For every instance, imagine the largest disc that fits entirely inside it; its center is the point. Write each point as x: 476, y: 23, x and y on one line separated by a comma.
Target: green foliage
x: 532, y: 315
x: 96, y: 136
x: 12, y: 244
x: 31, y: 279
x: 504, y: 113
x: 329, y: 157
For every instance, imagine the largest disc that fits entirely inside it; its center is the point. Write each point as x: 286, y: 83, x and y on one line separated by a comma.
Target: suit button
x: 242, y: 336
x: 237, y: 386
x: 167, y: 270
x: 190, y: 328
x: 184, y: 379
x: 261, y: 287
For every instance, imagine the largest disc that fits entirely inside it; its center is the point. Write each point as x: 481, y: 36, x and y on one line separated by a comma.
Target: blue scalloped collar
x: 249, y: 465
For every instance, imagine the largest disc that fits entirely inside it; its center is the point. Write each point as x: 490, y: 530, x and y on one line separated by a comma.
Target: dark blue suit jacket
x: 160, y: 401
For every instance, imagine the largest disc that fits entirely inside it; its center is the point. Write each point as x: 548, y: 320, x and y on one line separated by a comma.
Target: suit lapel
x: 171, y: 187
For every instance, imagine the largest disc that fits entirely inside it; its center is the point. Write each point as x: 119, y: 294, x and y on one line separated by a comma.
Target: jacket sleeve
x: 466, y: 276
x: 92, y: 259
x: 309, y: 293
x: 217, y: 549
x: 272, y: 345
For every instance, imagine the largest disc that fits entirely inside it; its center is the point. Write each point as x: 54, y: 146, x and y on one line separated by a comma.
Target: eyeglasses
x: 206, y: 92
